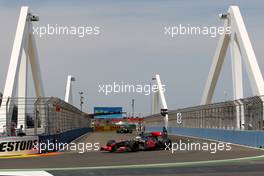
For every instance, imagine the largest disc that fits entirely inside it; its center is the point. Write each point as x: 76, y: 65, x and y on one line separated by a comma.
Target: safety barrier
x: 249, y: 138
x: 45, y: 115
x: 65, y: 137
x: 28, y: 144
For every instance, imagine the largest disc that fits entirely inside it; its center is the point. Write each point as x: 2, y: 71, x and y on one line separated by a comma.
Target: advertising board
x: 18, y: 145
x: 108, y: 112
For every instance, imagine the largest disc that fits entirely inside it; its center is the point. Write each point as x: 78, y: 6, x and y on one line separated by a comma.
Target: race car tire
x: 133, y: 146
x: 109, y: 143
x: 114, y: 149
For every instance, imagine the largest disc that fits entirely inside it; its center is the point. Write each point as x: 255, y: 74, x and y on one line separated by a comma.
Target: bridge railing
x: 244, y: 114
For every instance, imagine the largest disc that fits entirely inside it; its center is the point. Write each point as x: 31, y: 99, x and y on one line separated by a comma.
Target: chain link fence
x: 44, y: 116
x: 242, y: 114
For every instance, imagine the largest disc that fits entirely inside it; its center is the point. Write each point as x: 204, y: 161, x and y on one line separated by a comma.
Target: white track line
x: 26, y: 173
x: 159, y: 165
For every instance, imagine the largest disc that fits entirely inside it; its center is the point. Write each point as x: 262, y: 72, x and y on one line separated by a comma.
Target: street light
x: 133, y: 107
x: 81, y: 99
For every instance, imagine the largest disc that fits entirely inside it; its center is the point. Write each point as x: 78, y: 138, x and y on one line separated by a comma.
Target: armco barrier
x: 65, y: 137
x: 249, y: 138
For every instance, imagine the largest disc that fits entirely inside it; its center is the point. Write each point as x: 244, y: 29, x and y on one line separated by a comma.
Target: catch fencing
x: 242, y: 114
x: 45, y: 116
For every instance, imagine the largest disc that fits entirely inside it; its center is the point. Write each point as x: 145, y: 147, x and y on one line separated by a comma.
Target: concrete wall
x: 65, y: 137
x: 249, y: 138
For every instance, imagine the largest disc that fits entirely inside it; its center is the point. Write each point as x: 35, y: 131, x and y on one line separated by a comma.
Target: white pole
x: 13, y: 68
x: 163, y: 100
x: 24, y: 50
x: 68, y: 93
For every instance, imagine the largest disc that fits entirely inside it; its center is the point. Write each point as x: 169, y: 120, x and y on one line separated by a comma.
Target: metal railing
x: 42, y: 116
x: 242, y: 114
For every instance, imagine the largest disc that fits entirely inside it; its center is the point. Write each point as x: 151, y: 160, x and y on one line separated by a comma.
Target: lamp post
x: 133, y: 107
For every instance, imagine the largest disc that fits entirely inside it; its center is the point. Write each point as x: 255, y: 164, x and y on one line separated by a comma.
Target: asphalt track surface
x: 238, y: 161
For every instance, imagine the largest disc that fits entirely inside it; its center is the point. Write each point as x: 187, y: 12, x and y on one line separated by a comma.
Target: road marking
x: 159, y: 165
x: 28, y: 173
x: 31, y: 155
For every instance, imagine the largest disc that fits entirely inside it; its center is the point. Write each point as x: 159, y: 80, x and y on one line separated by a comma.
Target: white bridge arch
x: 24, y: 51
x: 240, y: 47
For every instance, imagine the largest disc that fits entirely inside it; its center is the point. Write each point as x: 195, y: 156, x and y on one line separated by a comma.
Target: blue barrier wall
x: 65, y: 137
x: 249, y: 138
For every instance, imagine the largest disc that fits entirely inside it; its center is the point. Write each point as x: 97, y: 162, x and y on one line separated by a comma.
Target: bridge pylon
x: 24, y: 51
x: 159, y: 104
x: 240, y: 47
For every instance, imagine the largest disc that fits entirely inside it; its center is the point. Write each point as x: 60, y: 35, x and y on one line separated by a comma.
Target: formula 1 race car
x: 124, y: 130
x: 146, y: 141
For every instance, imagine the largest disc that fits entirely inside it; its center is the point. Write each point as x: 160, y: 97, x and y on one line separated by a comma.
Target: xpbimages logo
x: 72, y: 146
x: 122, y: 87
x: 211, y: 147
x: 180, y: 30
x: 79, y: 31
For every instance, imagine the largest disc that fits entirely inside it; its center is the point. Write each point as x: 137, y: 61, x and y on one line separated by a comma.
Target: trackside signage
x: 18, y: 145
